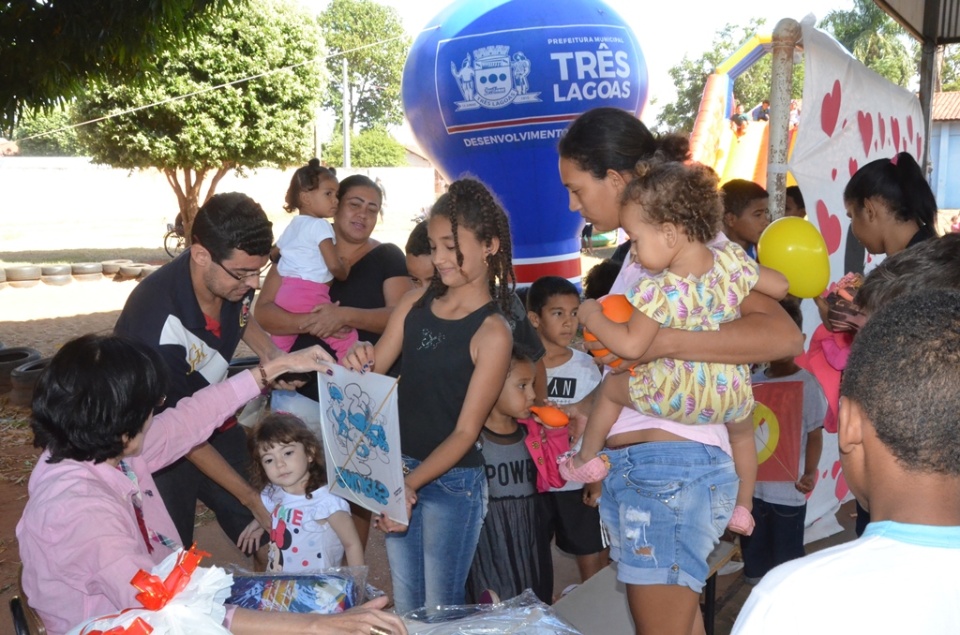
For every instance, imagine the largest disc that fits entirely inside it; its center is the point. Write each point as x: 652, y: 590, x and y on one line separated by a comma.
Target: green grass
x: 70, y: 256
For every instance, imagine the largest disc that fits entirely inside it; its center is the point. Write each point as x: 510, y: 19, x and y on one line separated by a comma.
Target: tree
x: 949, y: 74
x: 197, y: 140
x: 371, y: 148
x: 372, y: 39
x: 874, y: 38
x: 690, y: 77
x: 59, y: 144
x: 49, y: 50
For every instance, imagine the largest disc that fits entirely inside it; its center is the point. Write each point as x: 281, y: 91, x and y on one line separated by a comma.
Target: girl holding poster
x: 456, y: 347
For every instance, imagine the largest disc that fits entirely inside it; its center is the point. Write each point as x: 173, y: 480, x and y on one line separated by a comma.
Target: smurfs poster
x: 361, y: 440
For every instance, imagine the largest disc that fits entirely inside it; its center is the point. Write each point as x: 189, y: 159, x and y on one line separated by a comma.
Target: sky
x: 677, y: 28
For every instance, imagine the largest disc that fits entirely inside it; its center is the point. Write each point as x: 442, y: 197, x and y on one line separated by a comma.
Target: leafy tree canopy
x: 374, y: 71
x: 371, y: 148
x: 50, y: 49
x: 59, y: 144
x: 874, y: 38
x: 261, y: 122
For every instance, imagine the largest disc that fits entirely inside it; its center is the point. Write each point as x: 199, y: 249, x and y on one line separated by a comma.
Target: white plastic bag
x: 522, y: 615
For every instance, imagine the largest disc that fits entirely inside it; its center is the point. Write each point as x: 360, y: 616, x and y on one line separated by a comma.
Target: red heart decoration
x: 883, y: 129
x: 895, y: 131
x: 852, y: 166
x: 919, y: 145
x: 829, y: 227
x: 833, y: 174
x: 830, y: 109
x: 865, y: 123
x: 909, y: 126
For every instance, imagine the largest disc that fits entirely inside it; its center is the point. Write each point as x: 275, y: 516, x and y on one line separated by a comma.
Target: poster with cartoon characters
x: 361, y: 440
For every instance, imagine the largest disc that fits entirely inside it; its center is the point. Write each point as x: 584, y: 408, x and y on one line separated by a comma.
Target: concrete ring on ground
x: 132, y: 270
x: 81, y: 268
x: 111, y: 267
x: 57, y: 280
x: 55, y: 270
x: 148, y: 270
x: 22, y: 273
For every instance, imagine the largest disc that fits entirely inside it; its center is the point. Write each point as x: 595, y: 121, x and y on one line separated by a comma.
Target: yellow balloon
x: 795, y: 248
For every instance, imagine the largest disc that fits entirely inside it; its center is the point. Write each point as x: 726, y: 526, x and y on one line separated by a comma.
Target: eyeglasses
x: 240, y: 277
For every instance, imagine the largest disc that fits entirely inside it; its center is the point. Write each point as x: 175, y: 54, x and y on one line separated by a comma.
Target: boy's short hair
x: 791, y: 305
x: 904, y: 372
x: 933, y: 264
x: 738, y: 193
x: 793, y: 193
x: 599, y: 280
x: 545, y: 288
x: 232, y: 221
x: 417, y: 242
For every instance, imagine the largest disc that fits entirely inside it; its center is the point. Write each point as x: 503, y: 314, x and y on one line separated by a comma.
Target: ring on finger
x: 376, y: 630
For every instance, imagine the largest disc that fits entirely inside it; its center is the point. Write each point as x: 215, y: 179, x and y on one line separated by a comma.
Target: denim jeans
x: 777, y: 538
x: 429, y: 562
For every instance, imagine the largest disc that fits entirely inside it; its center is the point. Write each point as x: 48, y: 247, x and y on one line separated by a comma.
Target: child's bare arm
x: 346, y: 531
x: 812, y: 461
x: 772, y: 283
x: 337, y: 266
x: 629, y: 340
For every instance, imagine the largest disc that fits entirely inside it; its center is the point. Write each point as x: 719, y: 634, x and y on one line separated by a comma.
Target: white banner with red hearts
x: 851, y: 116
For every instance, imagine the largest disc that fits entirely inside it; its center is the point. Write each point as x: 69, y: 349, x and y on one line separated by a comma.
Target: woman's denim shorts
x: 665, y: 505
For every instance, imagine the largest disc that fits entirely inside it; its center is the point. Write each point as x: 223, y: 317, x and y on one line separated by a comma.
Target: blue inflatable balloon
x: 490, y: 92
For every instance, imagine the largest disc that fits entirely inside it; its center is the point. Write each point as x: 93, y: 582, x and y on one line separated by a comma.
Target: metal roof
x: 936, y: 21
x: 946, y: 106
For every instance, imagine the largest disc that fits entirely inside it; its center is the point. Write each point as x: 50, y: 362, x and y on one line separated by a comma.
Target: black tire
x: 173, y: 243
x: 57, y: 280
x: 111, y: 267
x: 86, y: 267
x: 23, y: 273
x: 55, y: 270
x: 14, y: 357
x: 23, y: 379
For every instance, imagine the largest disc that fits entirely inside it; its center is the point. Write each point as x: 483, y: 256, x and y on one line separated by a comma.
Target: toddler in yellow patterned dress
x: 694, y: 280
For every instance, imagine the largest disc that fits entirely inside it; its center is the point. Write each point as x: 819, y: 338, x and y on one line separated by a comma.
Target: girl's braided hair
x: 470, y: 204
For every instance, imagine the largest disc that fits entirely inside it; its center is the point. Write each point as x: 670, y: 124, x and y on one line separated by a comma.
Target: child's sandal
x: 742, y: 521
x: 593, y: 471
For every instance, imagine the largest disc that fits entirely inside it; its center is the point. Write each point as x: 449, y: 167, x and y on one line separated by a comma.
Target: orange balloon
x: 618, y: 309
x: 550, y: 416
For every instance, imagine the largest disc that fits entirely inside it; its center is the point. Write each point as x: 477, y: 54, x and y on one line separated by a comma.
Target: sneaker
x: 730, y: 567
x: 489, y: 596
x: 594, y: 470
x: 742, y: 521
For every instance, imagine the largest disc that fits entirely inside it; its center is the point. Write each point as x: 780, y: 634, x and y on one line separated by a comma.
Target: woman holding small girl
x: 597, y: 157
x: 456, y: 347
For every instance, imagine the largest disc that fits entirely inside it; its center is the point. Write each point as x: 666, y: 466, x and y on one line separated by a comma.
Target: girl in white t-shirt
x: 308, y: 260
x: 312, y: 529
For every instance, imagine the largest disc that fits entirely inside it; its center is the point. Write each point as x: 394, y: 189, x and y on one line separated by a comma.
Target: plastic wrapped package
x: 328, y: 592
x: 178, y: 598
x: 522, y: 615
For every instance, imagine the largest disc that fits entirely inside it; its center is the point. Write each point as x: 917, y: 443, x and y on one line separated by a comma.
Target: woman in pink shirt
x: 93, y: 518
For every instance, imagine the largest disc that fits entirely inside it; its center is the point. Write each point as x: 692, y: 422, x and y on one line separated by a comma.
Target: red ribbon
x: 154, y: 592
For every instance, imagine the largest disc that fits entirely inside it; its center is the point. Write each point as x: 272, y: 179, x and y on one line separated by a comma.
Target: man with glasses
x: 194, y: 311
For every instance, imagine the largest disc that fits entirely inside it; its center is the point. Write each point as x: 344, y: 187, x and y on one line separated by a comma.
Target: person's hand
x: 326, y: 320
x: 388, y: 525
x: 806, y: 482
x: 366, y: 619
x: 360, y: 357
x: 312, y: 359
x: 591, y: 494
x: 578, y: 422
x: 249, y: 540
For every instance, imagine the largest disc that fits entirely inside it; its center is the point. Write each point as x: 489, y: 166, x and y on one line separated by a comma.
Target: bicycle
x: 173, y: 241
